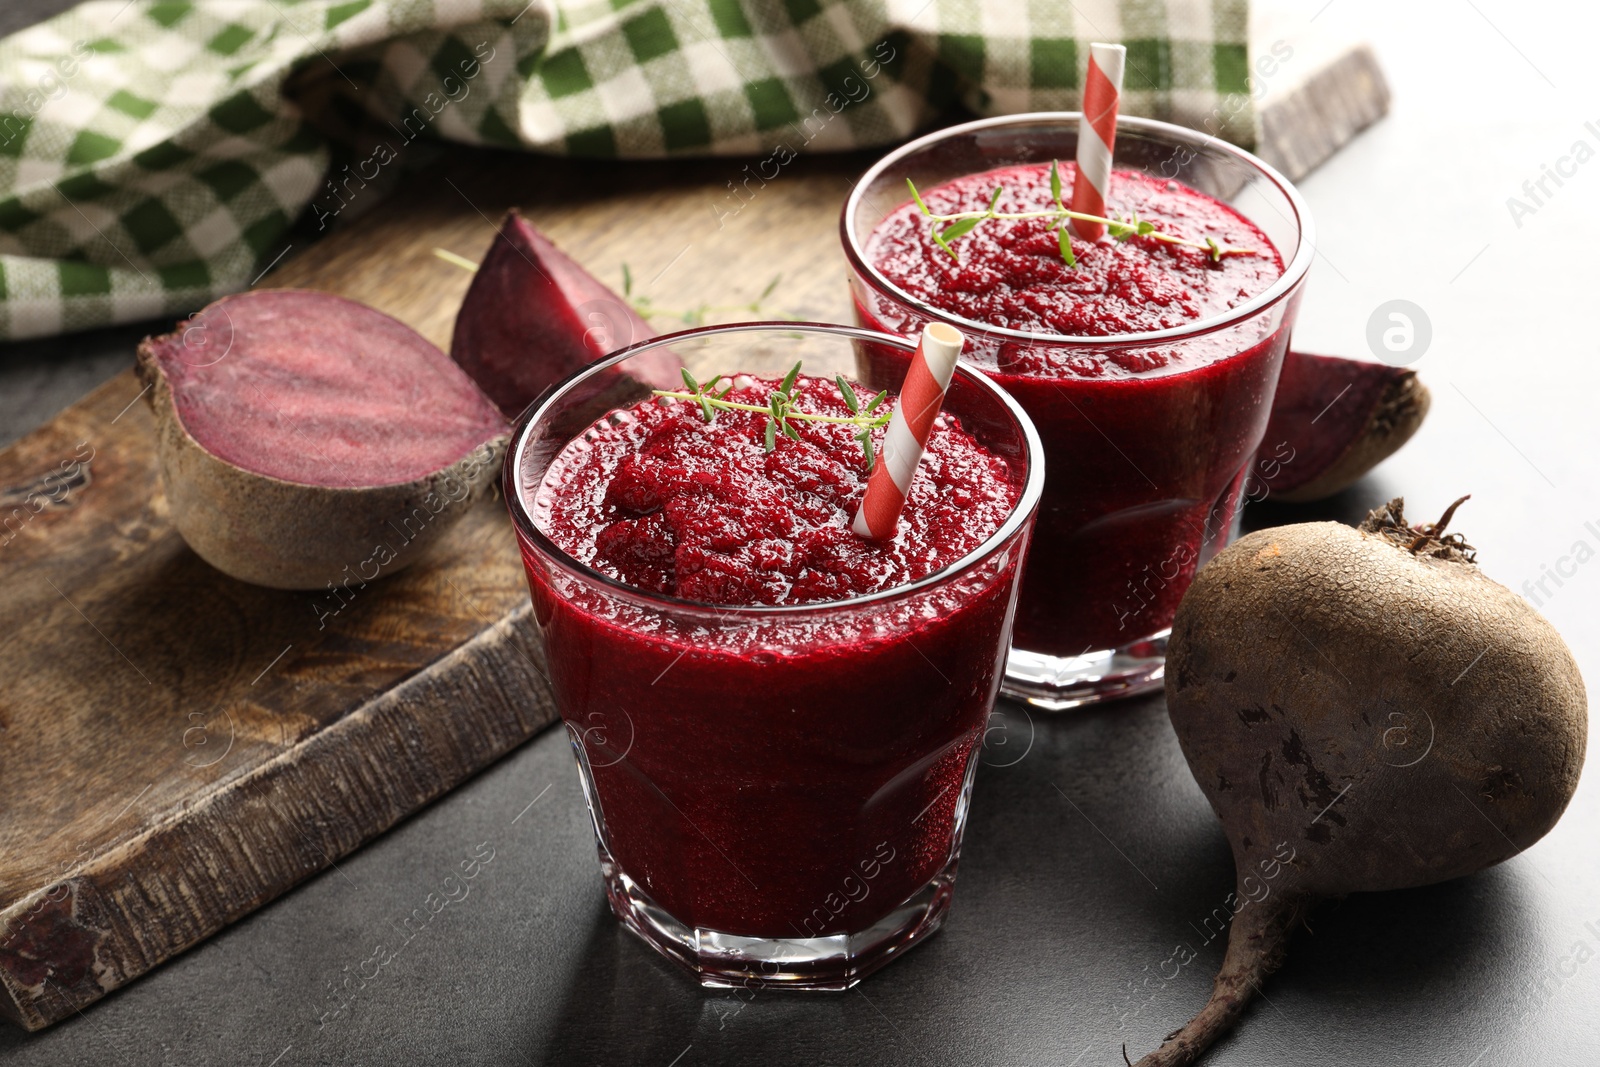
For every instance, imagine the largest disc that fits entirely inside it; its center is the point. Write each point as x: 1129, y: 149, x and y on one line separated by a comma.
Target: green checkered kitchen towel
x: 154, y: 154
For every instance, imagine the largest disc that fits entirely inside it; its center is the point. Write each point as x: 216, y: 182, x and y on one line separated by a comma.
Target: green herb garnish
x: 700, y: 314
x: 961, y: 223
x: 781, y: 411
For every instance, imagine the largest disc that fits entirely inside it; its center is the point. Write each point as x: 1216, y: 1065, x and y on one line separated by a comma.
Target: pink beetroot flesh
x: 533, y: 316
x: 311, y: 388
x: 1323, y: 406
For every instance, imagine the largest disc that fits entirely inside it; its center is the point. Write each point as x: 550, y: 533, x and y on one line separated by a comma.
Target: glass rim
x: 1027, y: 502
x: 1293, y: 272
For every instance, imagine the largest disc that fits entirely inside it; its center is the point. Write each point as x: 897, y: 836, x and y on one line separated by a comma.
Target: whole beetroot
x: 1369, y: 703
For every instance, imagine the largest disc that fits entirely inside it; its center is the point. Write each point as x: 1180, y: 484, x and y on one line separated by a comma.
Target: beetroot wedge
x: 307, y: 440
x: 1341, y: 417
x: 533, y: 316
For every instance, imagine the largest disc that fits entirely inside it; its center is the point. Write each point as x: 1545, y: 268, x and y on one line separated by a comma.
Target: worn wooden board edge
x: 1300, y: 129
x: 112, y: 920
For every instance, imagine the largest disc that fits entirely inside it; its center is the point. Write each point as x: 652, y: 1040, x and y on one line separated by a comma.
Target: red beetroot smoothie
x: 1145, y: 446
x: 778, y: 775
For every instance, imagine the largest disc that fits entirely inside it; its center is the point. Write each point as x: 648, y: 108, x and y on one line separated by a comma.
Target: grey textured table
x: 1066, y: 908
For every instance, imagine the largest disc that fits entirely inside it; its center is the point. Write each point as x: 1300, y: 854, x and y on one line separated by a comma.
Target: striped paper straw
x: 920, y: 399
x: 1097, y: 136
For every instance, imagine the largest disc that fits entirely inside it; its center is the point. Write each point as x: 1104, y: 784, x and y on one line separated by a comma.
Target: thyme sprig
x: 961, y: 223
x: 702, y: 313
x: 781, y: 410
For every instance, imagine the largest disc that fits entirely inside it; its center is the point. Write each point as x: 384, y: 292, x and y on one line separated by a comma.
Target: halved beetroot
x: 1342, y: 417
x: 303, y: 437
x: 533, y: 316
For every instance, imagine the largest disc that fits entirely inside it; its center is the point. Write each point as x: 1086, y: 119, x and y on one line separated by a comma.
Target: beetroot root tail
x: 1258, y: 941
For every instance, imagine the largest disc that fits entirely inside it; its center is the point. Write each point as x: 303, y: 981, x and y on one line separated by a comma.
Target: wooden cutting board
x: 178, y: 748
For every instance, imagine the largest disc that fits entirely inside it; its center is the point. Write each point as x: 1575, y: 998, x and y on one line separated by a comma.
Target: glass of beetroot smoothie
x: 776, y: 723
x: 1147, y: 367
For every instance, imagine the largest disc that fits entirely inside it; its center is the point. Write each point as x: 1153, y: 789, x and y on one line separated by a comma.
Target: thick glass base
x: 726, y: 961
x: 721, y: 960
x: 1059, y: 682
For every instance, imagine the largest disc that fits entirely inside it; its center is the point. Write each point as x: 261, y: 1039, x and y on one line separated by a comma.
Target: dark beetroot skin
x: 1337, y: 419
x: 532, y: 317
x: 789, y: 775
x: 1365, y: 710
x: 315, y: 389
x: 1146, y: 448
